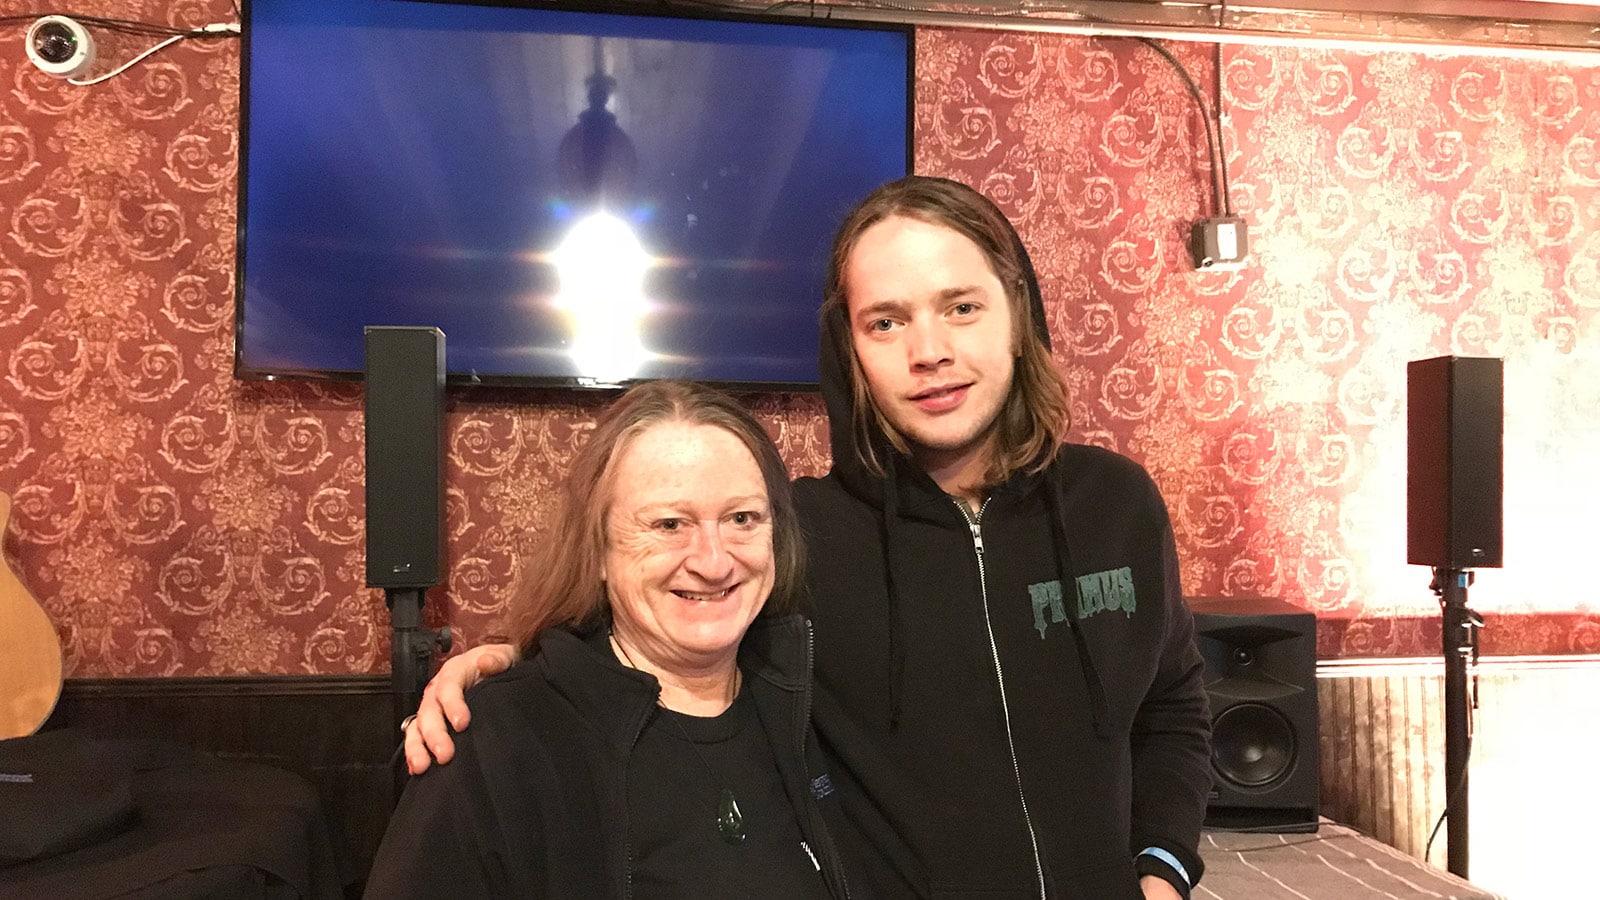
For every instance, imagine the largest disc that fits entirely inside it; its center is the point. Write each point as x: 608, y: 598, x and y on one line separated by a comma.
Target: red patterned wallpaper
x: 174, y: 521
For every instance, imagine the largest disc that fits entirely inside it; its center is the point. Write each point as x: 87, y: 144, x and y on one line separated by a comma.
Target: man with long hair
x: 1006, y: 673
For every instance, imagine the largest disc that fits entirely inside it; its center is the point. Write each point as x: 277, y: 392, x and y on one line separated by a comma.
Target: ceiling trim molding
x: 1516, y: 29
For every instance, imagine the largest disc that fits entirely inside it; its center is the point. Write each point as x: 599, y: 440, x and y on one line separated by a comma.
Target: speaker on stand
x: 1455, y: 469
x: 405, y: 433
x: 1261, y: 678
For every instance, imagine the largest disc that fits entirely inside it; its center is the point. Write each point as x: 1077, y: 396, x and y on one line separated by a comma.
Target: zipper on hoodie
x: 973, y: 524
x: 627, y: 821
x: 825, y: 840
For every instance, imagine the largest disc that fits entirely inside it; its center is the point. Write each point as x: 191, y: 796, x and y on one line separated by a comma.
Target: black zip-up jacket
x: 1015, y: 703
x: 535, y: 802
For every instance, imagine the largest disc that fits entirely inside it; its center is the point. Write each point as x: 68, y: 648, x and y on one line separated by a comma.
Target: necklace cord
x: 730, y: 821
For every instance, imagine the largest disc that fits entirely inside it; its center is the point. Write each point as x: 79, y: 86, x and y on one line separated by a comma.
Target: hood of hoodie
x: 846, y: 435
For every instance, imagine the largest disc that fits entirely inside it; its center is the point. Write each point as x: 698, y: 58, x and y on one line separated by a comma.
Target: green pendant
x: 730, y: 822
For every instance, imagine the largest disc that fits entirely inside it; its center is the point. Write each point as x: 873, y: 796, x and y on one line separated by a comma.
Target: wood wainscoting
x: 1534, y: 787
x: 1533, y: 784
x: 337, y: 732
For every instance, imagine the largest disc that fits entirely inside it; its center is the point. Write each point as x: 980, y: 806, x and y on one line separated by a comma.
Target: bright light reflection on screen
x: 601, y: 267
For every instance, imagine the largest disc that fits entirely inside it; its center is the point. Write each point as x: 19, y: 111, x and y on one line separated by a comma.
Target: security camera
x: 60, y: 46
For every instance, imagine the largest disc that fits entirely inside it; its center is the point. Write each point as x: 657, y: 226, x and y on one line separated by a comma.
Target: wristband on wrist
x: 1162, y: 864
x: 1170, y: 860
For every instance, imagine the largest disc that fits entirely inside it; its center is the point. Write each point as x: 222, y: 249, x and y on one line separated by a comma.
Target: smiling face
x: 932, y: 330
x: 688, y: 561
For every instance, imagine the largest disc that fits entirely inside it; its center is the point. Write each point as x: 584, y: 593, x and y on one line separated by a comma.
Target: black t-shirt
x: 673, y: 797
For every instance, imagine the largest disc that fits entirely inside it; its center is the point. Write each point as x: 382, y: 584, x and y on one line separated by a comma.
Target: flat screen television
x: 577, y: 197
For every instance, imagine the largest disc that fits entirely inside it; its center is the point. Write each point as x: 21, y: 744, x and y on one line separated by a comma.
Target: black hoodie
x: 1019, y: 719
x: 536, y: 802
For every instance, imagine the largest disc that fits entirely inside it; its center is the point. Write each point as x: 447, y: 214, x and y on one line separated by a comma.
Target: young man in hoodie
x: 1007, y: 682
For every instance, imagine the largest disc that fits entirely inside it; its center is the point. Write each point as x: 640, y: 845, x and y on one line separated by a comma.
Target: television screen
x: 574, y: 197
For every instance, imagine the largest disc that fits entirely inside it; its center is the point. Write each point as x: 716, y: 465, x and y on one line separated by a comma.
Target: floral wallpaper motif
x: 175, y: 521
x: 1400, y: 207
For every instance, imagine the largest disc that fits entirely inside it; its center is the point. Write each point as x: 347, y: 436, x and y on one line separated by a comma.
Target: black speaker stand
x: 1461, y: 626
x: 411, y: 649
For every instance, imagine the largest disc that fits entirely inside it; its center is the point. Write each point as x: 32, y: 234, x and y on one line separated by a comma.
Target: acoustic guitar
x: 30, y: 652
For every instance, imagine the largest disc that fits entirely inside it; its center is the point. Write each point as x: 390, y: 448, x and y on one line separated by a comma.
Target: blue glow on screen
x: 404, y: 166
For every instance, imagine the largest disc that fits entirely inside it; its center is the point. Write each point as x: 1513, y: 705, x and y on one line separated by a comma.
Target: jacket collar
x: 920, y: 497
x: 620, y: 700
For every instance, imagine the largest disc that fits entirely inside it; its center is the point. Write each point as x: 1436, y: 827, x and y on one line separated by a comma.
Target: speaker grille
x: 1252, y: 745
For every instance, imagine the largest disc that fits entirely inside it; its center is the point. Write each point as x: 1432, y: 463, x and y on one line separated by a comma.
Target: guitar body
x: 30, y: 652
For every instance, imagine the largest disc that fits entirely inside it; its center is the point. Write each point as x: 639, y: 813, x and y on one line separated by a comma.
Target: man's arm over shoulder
x: 443, y: 708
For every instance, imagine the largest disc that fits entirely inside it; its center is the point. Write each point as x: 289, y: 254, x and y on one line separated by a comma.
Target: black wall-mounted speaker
x: 1261, y: 678
x: 405, y: 457
x: 1455, y: 428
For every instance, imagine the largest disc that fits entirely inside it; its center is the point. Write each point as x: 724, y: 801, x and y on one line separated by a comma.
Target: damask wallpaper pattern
x: 175, y: 521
